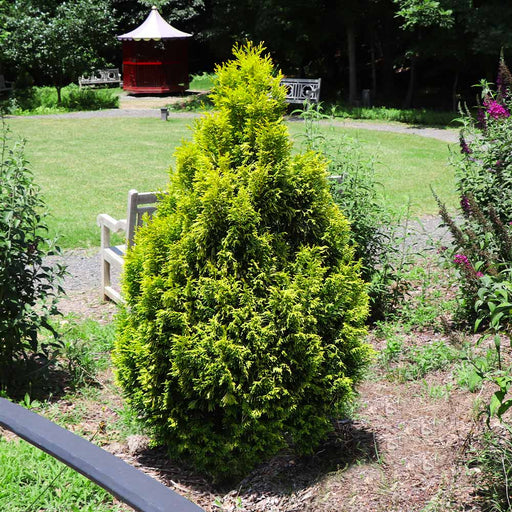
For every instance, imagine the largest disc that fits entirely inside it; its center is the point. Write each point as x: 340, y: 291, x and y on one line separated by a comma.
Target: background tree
x: 57, y: 42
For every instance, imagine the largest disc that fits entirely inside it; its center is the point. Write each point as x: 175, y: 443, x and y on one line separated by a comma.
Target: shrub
x: 410, y: 116
x: 28, y: 285
x: 75, y: 98
x: 374, y: 231
x: 482, y: 247
x: 43, y: 100
x: 245, y: 310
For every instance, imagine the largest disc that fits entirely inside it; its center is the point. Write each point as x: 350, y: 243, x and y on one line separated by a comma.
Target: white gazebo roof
x: 154, y: 28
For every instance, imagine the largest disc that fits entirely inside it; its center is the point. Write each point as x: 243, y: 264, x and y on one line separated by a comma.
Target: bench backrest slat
x: 138, y: 205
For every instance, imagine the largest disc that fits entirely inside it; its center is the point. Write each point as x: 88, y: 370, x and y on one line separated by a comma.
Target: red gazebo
x: 155, y: 57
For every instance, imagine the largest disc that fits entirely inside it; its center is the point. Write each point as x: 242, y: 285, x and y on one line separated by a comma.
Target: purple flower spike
x: 481, y: 121
x: 464, y: 147
x: 466, y: 207
x: 461, y: 259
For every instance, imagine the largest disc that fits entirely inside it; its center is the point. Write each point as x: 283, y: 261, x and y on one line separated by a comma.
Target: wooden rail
x: 128, y: 484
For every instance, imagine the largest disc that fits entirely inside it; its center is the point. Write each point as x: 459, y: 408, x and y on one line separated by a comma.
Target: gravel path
x: 82, y: 284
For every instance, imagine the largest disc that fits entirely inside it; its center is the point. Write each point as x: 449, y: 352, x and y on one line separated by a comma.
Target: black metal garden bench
x: 128, y: 484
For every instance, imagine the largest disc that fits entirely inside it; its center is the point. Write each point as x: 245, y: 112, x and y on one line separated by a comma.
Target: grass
x: 202, y: 82
x: 25, y: 472
x: 406, y: 166
x: 86, y: 166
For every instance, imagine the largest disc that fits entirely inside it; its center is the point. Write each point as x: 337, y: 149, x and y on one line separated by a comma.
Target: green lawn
x: 87, y: 166
x: 25, y: 472
x: 406, y: 166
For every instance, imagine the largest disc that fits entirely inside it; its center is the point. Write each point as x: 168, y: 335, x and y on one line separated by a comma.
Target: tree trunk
x: 455, y: 97
x: 59, y: 95
x: 374, y: 69
x: 352, y: 70
x: 412, y: 84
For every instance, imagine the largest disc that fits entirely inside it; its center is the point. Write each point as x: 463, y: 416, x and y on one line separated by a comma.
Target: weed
x: 437, y: 391
x: 86, y: 349
x: 494, y: 458
x: 129, y: 423
x: 422, y: 360
x: 468, y: 373
x: 428, y: 301
x: 392, y: 351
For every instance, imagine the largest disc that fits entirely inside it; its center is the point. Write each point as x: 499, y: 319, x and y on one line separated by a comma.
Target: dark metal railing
x: 128, y: 484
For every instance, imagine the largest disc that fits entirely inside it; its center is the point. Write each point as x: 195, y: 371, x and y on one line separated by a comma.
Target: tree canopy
x: 428, y: 52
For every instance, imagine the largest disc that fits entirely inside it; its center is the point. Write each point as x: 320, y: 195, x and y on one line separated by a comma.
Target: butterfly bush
x: 481, y: 252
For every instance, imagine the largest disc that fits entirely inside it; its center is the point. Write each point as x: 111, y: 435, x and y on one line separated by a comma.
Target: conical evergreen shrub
x: 245, y: 310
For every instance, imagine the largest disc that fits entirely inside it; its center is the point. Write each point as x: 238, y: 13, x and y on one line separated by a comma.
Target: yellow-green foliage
x: 245, y: 310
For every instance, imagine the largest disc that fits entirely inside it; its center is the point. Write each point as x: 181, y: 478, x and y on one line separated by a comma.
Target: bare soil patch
x: 141, y: 102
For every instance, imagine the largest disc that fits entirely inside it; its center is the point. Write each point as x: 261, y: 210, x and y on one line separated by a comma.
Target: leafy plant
x: 245, y: 311
x: 493, y: 457
x: 482, y: 247
x: 375, y: 228
x: 29, y: 287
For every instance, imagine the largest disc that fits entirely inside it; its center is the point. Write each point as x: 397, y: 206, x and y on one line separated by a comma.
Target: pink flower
x: 496, y: 110
x: 461, y: 259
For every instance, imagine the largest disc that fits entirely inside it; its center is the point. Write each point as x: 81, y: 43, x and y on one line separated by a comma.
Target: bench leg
x: 105, y: 278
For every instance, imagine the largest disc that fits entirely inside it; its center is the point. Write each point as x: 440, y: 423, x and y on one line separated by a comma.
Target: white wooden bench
x: 139, y: 204
x: 5, y: 86
x: 302, y: 89
x: 101, y: 77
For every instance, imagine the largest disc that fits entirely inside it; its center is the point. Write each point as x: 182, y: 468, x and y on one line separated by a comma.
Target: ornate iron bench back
x: 302, y: 89
x: 101, y: 77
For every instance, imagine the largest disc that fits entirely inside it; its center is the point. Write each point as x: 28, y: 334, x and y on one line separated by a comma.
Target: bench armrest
x: 104, y: 220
